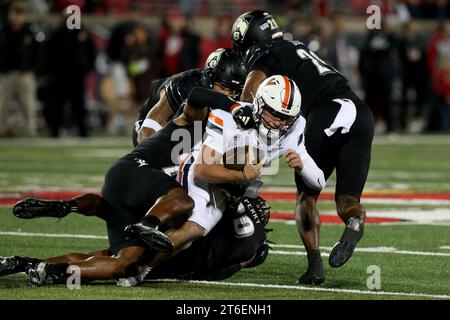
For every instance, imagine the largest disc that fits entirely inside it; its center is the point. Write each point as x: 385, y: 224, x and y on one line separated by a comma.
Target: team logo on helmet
x: 214, y: 58
x: 240, y: 28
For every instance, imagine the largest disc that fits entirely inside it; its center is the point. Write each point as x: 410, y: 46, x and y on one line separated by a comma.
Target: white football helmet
x: 280, y: 96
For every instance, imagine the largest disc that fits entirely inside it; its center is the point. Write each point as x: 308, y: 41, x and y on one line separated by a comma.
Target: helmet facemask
x: 265, y: 130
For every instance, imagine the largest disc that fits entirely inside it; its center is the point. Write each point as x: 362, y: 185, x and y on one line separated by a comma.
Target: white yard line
x: 51, y: 235
x: 287, y: 246
x: 419, y: 202
x: 414, y: 215
x: 316, y: 289
x: 367, y: 250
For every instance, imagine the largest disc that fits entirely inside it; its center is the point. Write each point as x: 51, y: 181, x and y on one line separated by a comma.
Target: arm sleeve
x: 311, y: 174
x: 202, y: 97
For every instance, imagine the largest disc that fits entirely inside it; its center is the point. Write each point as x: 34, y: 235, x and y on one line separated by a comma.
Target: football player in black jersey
x: 135, y: 186
x: 238, y: 241
x: 168, y: 95
x: 338, y: 133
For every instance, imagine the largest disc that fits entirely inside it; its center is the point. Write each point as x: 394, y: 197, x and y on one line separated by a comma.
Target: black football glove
x: 257, y: 209
x: 243, y: 115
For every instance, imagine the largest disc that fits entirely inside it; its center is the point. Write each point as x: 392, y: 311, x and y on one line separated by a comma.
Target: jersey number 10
x: 322, y: 67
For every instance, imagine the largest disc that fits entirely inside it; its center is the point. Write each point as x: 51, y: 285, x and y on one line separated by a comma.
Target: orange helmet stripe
x: 287, y: 92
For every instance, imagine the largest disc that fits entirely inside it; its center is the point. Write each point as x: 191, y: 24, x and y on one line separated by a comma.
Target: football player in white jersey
x: 278, y: 132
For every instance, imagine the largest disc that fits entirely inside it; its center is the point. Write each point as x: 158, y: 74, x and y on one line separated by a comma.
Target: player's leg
x: 170, y: 210
x: 308, y: 225
x: 88, y: 204
x: 351, y: 174
x: 323, y: 150
x: 27, y: 94
x: 125, y: 263
x: 7, y: 88
x: 72, y: 257
x: 203, y: 219
x: 180, y: 237
x: 16, y: 264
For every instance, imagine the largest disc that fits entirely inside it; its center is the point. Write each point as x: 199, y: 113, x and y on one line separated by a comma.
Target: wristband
x: 152, y: 124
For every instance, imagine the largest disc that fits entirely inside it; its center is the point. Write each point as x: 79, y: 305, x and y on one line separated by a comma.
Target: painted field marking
x: 287, y: 246
x: 52, y: 235
x: 444, y: 247
x: 363, y: 250
x: 304, y: 288
x: 408, y: 214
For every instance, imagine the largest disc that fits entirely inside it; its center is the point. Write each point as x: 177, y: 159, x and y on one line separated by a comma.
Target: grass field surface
x: 407, y: 195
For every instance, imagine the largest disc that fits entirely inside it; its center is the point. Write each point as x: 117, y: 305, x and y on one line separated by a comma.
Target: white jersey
x: 223, y: 134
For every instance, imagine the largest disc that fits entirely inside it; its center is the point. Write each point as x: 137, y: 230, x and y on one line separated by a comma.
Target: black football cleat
x: 37, y: 274
x: 314, y: 275
x: 15, y: 264
x: 152, y: 237
x: 343, y: 250
x: 34, y: 208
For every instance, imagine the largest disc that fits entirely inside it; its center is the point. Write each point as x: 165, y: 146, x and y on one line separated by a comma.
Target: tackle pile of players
x: 173, y: 207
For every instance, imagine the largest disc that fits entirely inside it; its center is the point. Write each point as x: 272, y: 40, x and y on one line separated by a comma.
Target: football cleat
x: 15, y: 264
x: 343, y: 250
x: 134, y: 281
x: 34, y: 208
x: 314, y: 275
x: 37, y: 275
x: 152, y: 237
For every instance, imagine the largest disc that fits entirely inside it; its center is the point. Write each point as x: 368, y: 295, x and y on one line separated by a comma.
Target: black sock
x: 314, y: 257
x: 73, y: 205
x: 58, y: 271
x: 151, y: 221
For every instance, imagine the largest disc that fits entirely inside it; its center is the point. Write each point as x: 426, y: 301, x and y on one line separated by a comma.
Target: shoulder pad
x: 219, y: 120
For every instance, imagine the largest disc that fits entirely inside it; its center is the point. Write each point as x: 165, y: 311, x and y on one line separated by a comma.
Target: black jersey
x: 214, y: 257
x: 177, y: 88
x: 314, y: 77
x: 155, y: 89
x: 163, y: 150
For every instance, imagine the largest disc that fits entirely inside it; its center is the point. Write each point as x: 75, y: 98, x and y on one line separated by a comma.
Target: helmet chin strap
x: 271, y: 135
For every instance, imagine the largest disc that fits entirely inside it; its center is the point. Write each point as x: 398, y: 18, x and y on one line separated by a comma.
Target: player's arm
x: 220, y: 129
x: 306, y: 167
x: 200, y: 100
x: 254, y: 79
x: 208, y: 169
x: 156, y: 118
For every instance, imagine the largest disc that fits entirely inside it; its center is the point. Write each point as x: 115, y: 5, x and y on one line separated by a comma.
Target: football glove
x: 256, y: 208
x: 243, y: 115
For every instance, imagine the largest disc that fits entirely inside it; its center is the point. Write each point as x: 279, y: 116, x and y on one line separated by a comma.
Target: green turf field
x: 414, y: 258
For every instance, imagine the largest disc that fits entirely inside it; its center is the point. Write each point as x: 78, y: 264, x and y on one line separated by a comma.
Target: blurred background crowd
x: 55, y: 81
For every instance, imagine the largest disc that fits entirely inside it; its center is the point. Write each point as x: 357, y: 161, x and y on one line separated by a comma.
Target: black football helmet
x: 224, y: 66
x: 253, y: 27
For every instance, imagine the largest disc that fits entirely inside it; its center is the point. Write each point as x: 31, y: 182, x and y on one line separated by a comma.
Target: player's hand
x: 252, y: 171
x: 293, y: 160
x: 243, y: 115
